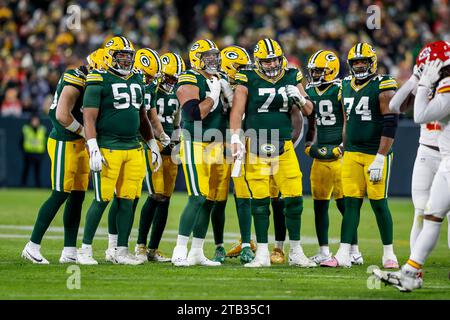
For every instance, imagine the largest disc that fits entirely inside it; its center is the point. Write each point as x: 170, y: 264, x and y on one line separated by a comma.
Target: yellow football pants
x: 326, y: 179
x: 161, y: 182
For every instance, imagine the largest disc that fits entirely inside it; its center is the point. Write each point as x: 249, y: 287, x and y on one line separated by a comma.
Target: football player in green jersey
x: 267, y: 95
x: 70, y: 167
x: 323, y: 143
x: 147, y: 62
x: 202, y: 151
x: 165, y: 113
x: 115, y: 118
x: 369, y: 133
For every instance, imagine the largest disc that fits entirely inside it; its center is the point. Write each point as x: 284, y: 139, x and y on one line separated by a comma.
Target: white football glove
x: 294, y: 93
x: 227, y: 90
x: 156, y: 156
x: 214, y: 88
x: 164, y: 139
x: 96, y: 159
x: 240, y: 148
x: 417, y: 72
x: 430, y: 73
x: 376, y: 168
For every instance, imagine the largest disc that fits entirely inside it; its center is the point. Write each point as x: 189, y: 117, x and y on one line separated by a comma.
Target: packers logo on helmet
x: 148, y: 61
x: 268, y: 57
x: 205, y: 55
x: 362, y: 52
x: 172, y: 66
x: 118, y: 55
x: 323, y: 67
x: 234, y: 58
x: 95, y: 59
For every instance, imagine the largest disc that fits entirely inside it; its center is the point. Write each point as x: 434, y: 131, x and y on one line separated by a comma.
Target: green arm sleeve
x: 92, y: 96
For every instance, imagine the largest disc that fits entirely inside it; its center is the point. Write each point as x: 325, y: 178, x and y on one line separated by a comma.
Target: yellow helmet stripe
x: 126, y: 43
x: 269, y: 46
x: 314, y: 57
x: 211, y: 44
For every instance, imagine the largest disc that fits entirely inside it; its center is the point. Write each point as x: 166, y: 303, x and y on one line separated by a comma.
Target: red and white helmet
x: 432, y: 51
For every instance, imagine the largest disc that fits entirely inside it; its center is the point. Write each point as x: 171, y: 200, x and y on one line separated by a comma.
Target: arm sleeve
x: 426, y: 110
x: 402, y: 94
x: 92, y: 96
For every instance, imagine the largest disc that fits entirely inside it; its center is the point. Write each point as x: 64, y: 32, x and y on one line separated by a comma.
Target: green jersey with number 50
x: 268, y: 106
x: 328, y: 113
x: 119, y: 100
x: 166, y: 105
x: 364, y: 117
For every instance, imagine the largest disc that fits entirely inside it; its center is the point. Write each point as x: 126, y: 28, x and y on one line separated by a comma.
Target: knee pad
x: 293, y: 206
x: 260, y: 206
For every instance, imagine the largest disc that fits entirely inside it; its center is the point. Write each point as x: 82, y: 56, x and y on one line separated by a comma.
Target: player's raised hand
x: 430, y: 73
x: 376, y: 168
x: 294, y: 93
x: 214, y: 90
x: 96, y: 159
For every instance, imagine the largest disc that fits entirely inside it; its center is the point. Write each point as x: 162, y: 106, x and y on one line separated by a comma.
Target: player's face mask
x: 124, y: 61
x: 272, y: 67
x: 360, y: 68
x: 317, y: 75
x: 168, y: 82
x: 211, y: 60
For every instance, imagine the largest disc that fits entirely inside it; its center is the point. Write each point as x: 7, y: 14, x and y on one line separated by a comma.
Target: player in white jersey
x: 435, y: 83
x: 428, y: 156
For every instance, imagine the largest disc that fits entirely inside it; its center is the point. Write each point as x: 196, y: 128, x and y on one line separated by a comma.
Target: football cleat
x: 247, y: 255
x: 140, y: 252
x: 179, y: 256
x: 277, y: 256
x: 337, y: 261
x: 68, y: 257
x: 319, y: 258
x: 235, y: 251
x: 404, y: 281
x: 32, y: 252
x: 197, y: 257
x: 299, y: 259
x: 157, y: 256
x: 259, y: 262
x: 84, y: 257
x: 390, y: 263
x: 220, y: 254
x: 356, y: 258
x: 123, y: 256
x: 109, y: 255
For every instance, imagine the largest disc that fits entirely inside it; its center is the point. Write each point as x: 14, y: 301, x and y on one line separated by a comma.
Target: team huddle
x: 130, y: 116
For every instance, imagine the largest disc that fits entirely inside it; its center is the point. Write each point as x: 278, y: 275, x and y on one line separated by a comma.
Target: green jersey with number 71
x: 362, y: 108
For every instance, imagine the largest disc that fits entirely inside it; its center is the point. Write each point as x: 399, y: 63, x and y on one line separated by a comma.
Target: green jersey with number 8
x: 119, y: 101
x: 364, y: 117
x: 328, y: 113
x: 268, y: 106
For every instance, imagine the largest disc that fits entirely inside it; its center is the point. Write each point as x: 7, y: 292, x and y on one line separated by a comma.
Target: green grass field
x: 20, y: 279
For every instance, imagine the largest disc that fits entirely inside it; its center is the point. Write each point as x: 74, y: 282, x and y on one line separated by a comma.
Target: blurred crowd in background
x: 39, y: 39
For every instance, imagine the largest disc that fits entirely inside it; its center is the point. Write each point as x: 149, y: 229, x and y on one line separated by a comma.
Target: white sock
x: 324, y: 250
x: 416, y: 227
x: 182, y: 241
x: 448, y: 229
x: 121, y: 250
x: 219, y: 245
x: 388, y: 251
x: 34, y: 246
x: 279, y: 244
x: 262, y: 248
x: 112, y: 241
x: 244, y: 245
x: 70, y: 251
x: 344, y: 249
x: 295, y: 246
x: 197, y: 243
x: 354, y: 248
x: 86, y: 246
x: 426, y: 241
x: 410, y: 268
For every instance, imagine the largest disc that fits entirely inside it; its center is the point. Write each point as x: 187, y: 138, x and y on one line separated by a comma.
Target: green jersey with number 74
x: 364, y: 117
